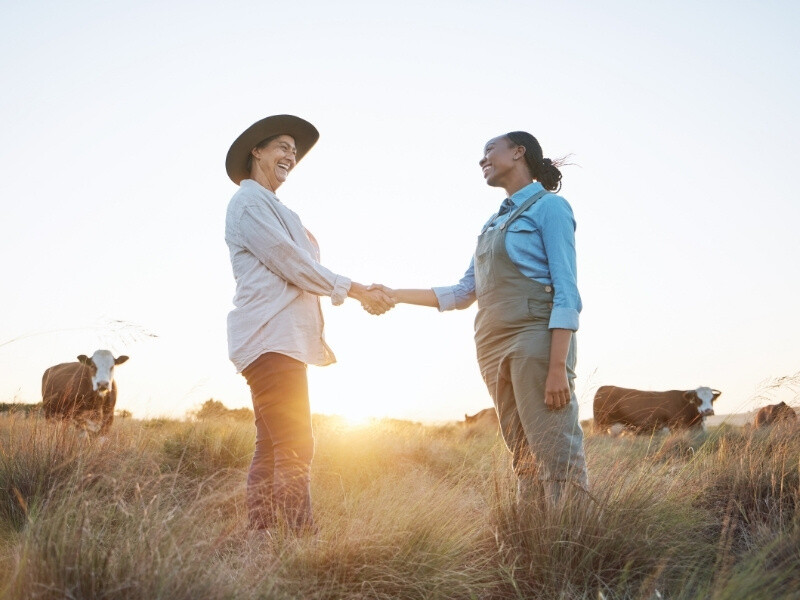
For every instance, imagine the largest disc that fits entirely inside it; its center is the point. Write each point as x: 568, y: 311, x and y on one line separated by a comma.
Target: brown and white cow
x: 487, y: 415
x: 83, y: 391
x: 648, y: 411
x: 775, y: 413
x: 482, y: 421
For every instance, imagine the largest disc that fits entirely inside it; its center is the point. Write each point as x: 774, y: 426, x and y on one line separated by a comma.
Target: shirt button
x: 548, y: 289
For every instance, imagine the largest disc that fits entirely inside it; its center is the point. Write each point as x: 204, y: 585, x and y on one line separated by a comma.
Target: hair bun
x: 549, y: 175
x: 542, y: 169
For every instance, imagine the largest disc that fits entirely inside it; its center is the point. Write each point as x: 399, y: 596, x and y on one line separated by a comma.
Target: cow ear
x: 120, y: 360
x: 84, y: 359
x: 466, y: 416
x: 690, y: 396
x: 716, y: 393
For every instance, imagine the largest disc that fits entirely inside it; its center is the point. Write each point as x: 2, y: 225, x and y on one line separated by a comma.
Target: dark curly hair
x: 543, y: 170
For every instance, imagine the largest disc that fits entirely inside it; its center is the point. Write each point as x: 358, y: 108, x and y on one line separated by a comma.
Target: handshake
x: 376, y: 299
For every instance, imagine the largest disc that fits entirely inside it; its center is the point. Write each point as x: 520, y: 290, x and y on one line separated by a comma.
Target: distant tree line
x: 35, y: 409
x: 21, y: 407
x: 210, y: 409
x: 214, y: 409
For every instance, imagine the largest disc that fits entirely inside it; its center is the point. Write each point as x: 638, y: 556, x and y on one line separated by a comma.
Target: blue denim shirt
x: 541, y: 243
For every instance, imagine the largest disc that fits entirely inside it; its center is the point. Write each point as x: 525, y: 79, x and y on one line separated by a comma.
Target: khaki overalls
x: 513, y: 345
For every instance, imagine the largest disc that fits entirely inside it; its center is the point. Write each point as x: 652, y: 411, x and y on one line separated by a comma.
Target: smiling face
x: 272, y: 163
x: 501, y: 162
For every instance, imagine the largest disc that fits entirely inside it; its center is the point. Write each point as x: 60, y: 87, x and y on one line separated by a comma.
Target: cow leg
x: 107, y: 415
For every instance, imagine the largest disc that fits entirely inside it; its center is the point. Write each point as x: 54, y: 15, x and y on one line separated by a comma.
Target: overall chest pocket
x: 484, y: 272
x: 486, y: 260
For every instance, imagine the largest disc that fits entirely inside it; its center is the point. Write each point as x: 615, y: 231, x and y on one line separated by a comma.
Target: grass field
x: 404, y: 510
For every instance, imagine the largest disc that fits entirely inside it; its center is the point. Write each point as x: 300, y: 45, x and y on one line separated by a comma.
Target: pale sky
x: 680, y: 118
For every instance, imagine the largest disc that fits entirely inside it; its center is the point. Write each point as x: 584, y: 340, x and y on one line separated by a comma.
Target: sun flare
x: 357, y: 420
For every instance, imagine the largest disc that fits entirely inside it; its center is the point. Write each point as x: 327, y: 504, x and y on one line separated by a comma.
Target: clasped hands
x: 376, y: 299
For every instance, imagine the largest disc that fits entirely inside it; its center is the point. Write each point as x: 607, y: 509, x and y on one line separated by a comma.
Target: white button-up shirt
x: 278, y: 281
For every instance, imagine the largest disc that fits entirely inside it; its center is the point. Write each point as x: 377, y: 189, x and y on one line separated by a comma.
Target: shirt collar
x: 523, y: 194
x: 257, y: 187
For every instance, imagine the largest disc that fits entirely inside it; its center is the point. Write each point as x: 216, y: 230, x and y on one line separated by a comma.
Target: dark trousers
x: 279, y: 480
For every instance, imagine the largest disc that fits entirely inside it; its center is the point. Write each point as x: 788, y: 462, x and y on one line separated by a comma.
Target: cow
x: 648, y: 411
x: 774, y: 414
x: 484, y: 422
x: 487, y: 415
x: 84, y: 392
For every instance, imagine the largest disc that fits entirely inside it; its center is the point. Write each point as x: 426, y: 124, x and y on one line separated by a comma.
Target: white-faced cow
x: 649, y: 411
x: 83, y: 391
x: 774, y: 414
x: 483, y: 422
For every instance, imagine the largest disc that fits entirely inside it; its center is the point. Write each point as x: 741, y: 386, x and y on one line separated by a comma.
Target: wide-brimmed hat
x: 304, y: 133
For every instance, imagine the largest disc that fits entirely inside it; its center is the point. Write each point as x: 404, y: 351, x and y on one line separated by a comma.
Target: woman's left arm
x: 556, y: 387
x: 557, y: 226
x: 558, y: 235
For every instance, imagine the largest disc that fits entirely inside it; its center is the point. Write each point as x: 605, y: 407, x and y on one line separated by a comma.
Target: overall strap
x: 489, y: 223
x: 525, y: 206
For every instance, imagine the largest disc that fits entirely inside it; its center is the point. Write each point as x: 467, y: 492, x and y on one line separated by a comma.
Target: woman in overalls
x: 523, y: 276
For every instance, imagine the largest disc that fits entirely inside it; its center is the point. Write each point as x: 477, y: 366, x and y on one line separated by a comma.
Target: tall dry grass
x: 405, y: 511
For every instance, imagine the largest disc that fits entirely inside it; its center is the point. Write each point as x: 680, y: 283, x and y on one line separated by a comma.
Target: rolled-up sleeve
x: 458, y: 296
x: 558, y: 235
x: 262, y: 235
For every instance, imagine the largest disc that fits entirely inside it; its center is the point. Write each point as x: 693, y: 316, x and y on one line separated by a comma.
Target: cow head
x: 101, y: 364
x: 703, y: 398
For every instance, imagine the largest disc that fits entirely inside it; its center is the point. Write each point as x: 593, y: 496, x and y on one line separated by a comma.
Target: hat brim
x: 304, y: 133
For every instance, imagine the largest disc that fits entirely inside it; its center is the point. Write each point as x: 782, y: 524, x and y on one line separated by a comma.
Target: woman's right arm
x: 259, y: 231
x: 451, y: 297
x: 262, y: 235
x: 418, y: 297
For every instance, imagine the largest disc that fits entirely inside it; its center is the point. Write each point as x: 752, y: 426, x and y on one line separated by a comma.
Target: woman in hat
x: 523, y: 276
x: 276, y: 327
